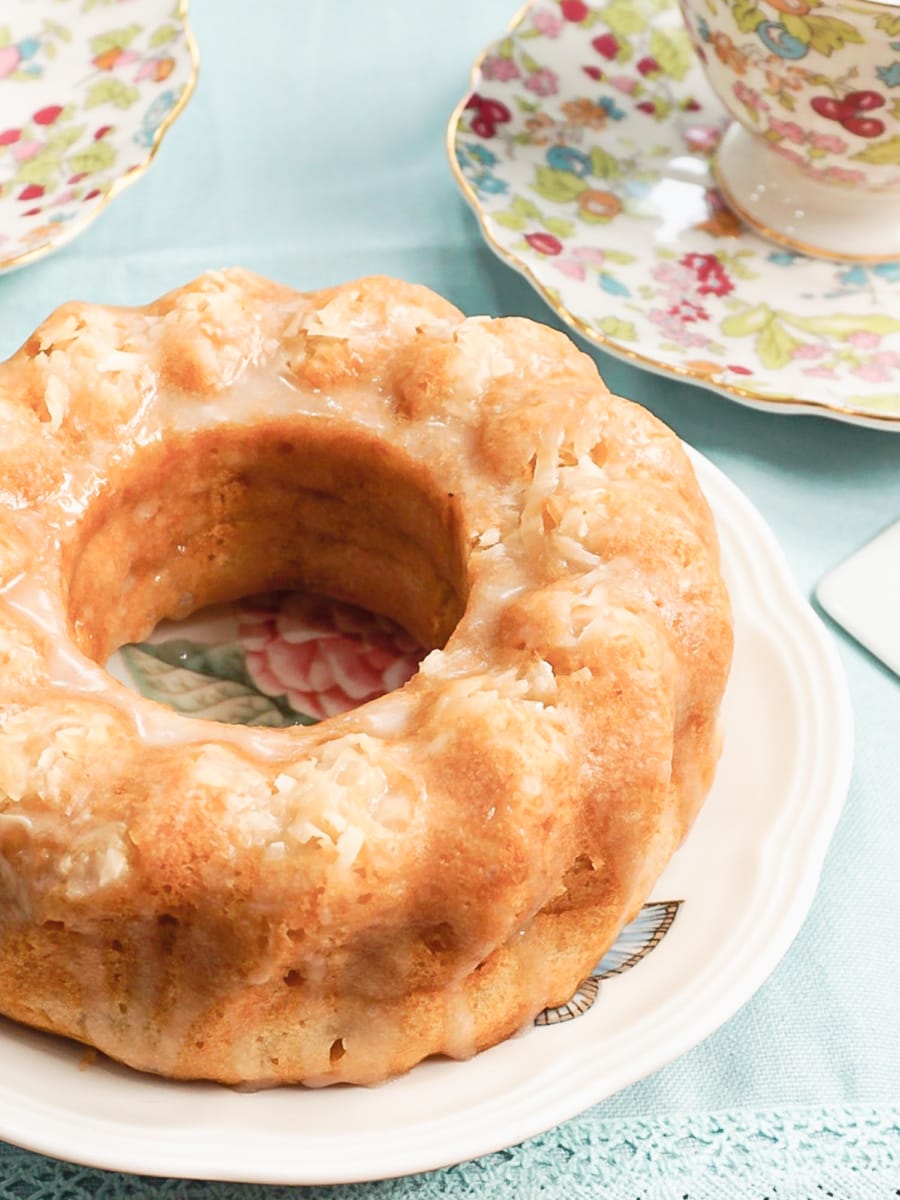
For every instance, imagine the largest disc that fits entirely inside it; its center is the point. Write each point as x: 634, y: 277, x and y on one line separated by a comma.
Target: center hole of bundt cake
x: 339, y: 560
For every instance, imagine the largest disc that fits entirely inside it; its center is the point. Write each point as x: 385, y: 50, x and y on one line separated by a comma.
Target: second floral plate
x: 585, y: 147
x: 87, y: 92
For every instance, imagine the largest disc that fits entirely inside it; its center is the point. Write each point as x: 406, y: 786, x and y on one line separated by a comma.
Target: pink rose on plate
x: 499, y: 68
x: 543, y: 82
x: 324, y: 656
x: 547, y: 22
x: 863, y: 339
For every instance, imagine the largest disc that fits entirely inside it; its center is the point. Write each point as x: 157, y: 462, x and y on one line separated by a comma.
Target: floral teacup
x: 813, y: 157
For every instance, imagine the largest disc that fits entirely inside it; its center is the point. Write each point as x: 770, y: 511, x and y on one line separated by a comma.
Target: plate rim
x: 207, y: 1150
x: 781, y: 403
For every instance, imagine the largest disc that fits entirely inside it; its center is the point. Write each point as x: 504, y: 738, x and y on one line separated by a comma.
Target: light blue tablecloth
x: 313, y: 152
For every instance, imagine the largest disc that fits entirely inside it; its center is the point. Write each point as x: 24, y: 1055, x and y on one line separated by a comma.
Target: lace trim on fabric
x: 850, y: 1153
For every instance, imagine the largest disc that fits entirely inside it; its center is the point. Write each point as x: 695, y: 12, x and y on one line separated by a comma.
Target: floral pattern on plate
x: 290, y: 658
x: 585, y: 147
x: 87, y: 90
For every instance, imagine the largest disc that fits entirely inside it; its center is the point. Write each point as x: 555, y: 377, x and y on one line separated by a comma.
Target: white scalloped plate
x: 87, y: 91
x: 746, y: 875
x: 585, y: 146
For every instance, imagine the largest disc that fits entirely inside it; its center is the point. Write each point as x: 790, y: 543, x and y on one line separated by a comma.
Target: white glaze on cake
x: 420, y: 875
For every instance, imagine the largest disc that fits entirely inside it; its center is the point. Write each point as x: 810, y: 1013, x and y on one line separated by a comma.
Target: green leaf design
x: 603, y: 164
x: 672, y: 50
x: 615, y: 327
x: 747, y: 15
x: 5, y: 36
x: 221, y: 662
x: 510, y: 220
x: 54, y: 29
x: 203, y: 694
x: 162, y: 36
x: 64, y: 138
x: 559, y: 226
x: 618, y: 256
x: 557, y: 185
x: 827, y: 34
x: 751, y: 320
x: 523, y: 207
x: 844, y: 325
x: 738, y: 265
x: 797, y: 27
x: 96, y: 157
x: 114, y: 39
x: 885, y: 154
x: 530, y: 64
x: 775, y: 346
x: 111, y: 91
x: 42, y: 169
x: 624, y: 18
x: 889, y: 24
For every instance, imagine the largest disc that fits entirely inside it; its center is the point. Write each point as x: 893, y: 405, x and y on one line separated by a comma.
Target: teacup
x: 812, y: 159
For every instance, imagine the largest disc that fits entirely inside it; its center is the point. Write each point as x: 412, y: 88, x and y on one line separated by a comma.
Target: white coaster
x: 863, y: 595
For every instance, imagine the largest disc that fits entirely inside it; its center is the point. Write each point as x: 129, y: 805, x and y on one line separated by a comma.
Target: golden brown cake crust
x: 418, y: 876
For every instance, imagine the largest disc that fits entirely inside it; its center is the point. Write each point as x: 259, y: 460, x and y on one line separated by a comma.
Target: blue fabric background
x: 313, y: 151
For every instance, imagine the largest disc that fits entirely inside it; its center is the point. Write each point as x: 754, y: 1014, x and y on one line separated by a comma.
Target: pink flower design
x: 820, y: 372
x: 624, y: 83
x: 547, y: 22
x: 786, y: 152
x: 826, y: 141
x: 678, y: 278
x: 543, y: 83
x: 809, y: 350
x: 843, y: 175
x: 674, y: 329
x: 323, y: 656
x: 863, y: 339
x: 574, y: 270
x: 499, y: 68
x: 750, y: 97
x: 23, y: 151
x: 873, y: 373
x: 590, y: 254
x: 787, y: 129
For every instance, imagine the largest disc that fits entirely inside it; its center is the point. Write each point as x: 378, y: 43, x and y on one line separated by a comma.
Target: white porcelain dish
x: 861, y: 595
x: 746, y: 878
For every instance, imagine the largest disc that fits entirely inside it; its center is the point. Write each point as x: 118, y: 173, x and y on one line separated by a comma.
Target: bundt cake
x: 420, y: 875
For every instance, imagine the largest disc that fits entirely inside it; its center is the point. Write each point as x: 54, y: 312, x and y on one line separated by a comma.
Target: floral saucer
x: 585, y: 147
x: 87, y: 90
